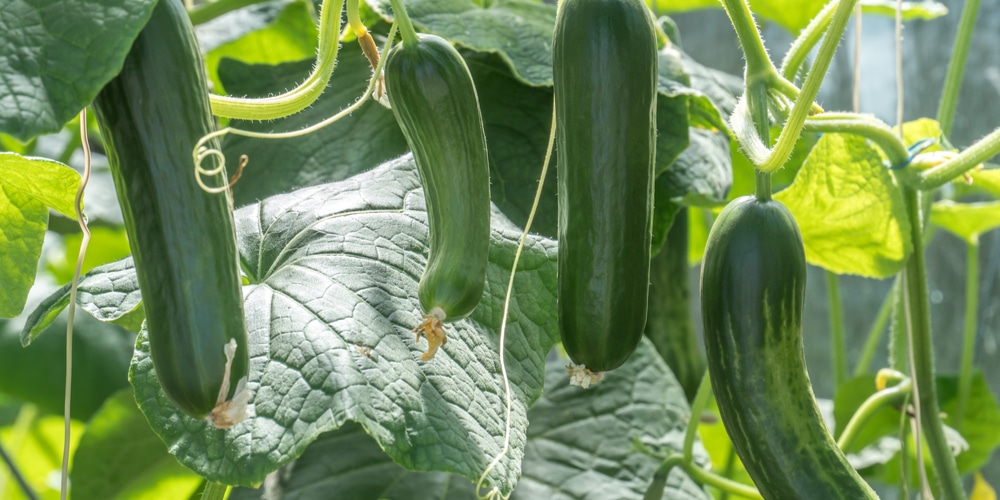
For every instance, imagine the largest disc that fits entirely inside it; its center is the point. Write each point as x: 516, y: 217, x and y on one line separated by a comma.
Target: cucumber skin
x: 434, y: 101
x: 604, y: 74
x: 183, y: 239
x: 752, y: 291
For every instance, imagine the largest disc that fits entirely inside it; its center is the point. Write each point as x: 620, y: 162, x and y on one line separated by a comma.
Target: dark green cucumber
x: 752, y: 293
x: 604, y: 67
x: 182, y: 238
x: 670, y: 325
x: 435, y: 104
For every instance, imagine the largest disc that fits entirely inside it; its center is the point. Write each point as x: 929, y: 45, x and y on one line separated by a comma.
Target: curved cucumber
x: 604, y: 72
x: 434, y: 100
x: 752, y: 292
x: 182, y: 238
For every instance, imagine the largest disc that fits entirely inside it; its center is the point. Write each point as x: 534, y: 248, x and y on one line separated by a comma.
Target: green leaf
x: 850, y: 212
x: 28, y: 188
x: 580, y: 442
x: 55, y: 55
x: 878, y: 441
x: 37, y: 374
x: 519, y: 31
x: 966, y: 220
x: 119, y: 457
x: 921, y: 129
x: 290, y: 36
x: 794, y: 15
x: 579, y: 446
x: 35, y: 444
x: 334, y: 296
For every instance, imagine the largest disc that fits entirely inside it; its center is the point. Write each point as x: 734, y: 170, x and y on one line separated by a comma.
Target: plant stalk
x: 969, y: 337
x: 922, y: 354
x: 956, y: 67
x: 876, y: 332
x: 838, y: 348
x: 868, y: 409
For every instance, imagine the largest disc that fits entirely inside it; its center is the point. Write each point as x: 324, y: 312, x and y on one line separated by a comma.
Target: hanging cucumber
x: 604, y: 67
x: 182, y: 238
x: 752, y: 292
x: 434, y: 101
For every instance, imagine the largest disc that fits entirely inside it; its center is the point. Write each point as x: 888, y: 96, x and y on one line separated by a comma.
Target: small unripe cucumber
x: 604, y: 66
x: 434, y: 100
x: 183, y: 240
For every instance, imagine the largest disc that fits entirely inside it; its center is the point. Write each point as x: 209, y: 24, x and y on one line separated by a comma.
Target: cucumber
x: 752, y: 293
x: 183, y: 240
x: 604, y: 67
x: 434, y: 101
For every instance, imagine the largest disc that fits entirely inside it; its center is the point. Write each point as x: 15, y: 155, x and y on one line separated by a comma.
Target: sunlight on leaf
x: 981, y: 490
x: 966, y: 220
x: 849, y: 209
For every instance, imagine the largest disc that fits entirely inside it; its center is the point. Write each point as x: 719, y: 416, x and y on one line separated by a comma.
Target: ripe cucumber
x: 434, y: 101
x: 604, y: 66
x: 752, y: 293
x: 183, y: 240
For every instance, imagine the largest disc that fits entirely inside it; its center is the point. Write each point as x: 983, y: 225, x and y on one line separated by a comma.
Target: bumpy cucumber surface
x: 604, y: 72
x: 182, y: 238
x: 752, y: 293
x: 435, y: 103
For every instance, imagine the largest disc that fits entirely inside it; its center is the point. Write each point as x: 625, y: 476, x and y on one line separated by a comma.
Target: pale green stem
x: 922, y: 353
x: 935, y: 177
x: 875, y: 333
x: 302, y: 96
x: 865, y: 126
x: 956, y: 67
x: 697, y: 408
x: 807, y: 39
x: 867, y: 410
x: 718, y: 482
x: 211, y: 10
x: 759, y: 65
x: 214, y: 491
x: 838, y: 348
x: 756, y: 95
x: 969, y: 339
x: 401, y: 18
x: 756, y: 148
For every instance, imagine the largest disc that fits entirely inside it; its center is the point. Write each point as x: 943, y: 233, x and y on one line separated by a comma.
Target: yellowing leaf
x: 966, y: 220
x: 981, y: 490
x: 28, y: 187
x: 850, y: 212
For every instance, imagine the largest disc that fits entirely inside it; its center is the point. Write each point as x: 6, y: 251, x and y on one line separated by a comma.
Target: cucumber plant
x: 182, y: 237
x: 604, y: 70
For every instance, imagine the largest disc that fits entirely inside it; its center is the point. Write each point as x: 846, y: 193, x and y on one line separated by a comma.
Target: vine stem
x: 876, y: 332
x: 759, y: 65
x: 969, y: 337
x: 837, y: 347
x: 214, y: 491
x: 406, y: 29
x: 211, y: 10
x: 866, y: 126
x: 922, y: 353
x: 71, y: 309
x: 956, y: 67
x: 697, y: 408
x: 755, y: 147
x: 303, y: 95
x: 937, y: 176
x: 867, y: 410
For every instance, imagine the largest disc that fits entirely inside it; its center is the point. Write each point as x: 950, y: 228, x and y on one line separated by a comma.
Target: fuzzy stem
x: 401, y: 18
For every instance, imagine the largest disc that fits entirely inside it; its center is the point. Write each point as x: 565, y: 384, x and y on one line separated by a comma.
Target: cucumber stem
x: 876, y: 332
x: 406, y: 30
x: 759, y: 65
x: 214, y: 491
x: 837, y: 347
x: 807, y: 39
x: 868, y: 409
x: 866, y: 126
x: 922, y: 353
x: 302, y: 96
x: 969, y: 338
x: 937, y: 176
x: 697, y: 408
x: 956, y: 67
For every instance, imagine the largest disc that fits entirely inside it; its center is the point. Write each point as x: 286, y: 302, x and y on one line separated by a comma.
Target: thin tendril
x: 495, y: 492
x: 203, y: 151
x: 71, y: 310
